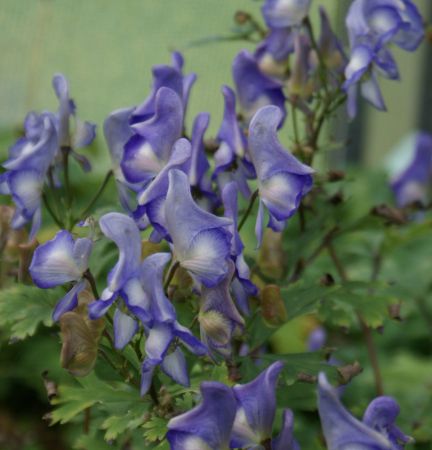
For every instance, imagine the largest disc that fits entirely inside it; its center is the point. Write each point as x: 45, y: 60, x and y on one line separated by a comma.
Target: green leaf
x: 114, y: 398
x: 115, y: 425
x: 156, y: 429
x: 23, y: 308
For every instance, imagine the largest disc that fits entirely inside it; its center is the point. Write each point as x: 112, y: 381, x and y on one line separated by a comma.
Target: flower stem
x: 248, y: 211
x: 90, y: 278
x: 170, y: 275
x: 51, y: 211
x: 100, y: 191
x: 367, y: 332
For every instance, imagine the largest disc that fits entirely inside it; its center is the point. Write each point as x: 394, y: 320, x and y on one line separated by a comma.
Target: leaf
x: 156, y: 429
x: 114, y: 398
x: 23, y: 308
x: 86, y: 442
x: 115, y: 425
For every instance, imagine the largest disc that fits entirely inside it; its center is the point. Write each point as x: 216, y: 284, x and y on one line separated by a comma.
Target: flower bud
x: 272, y: 305
x: 215, y: 326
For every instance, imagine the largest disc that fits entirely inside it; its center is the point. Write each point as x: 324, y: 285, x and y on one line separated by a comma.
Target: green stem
x: 51, y: 211
x: 248, y: 211
x: 367, y: 332
x: 100, y: 191
x: 170, y: 275
x: 90, y: 278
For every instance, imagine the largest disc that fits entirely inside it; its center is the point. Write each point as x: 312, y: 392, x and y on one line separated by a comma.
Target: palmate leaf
x: 118, y: 424
x: 156, y: 429
x: 114, y: 398
x: 23, y: 308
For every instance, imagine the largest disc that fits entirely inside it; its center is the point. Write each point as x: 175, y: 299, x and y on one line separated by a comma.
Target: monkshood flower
x: 386, y: 21
x: 282, y: 180
x: 84, y: 132
x: 241, y: 286
x: 254, y: 88
x: 232, y: 162
x: 164, y: 332
x: 273, y: 52
x: 218, y: 317
x: 123, y: 279
x: 118, y: 131
x: 342, y: 430
x: 166, y: 76
x: 367, y: 61
x: 208, y: 425
x: 197, y: 167
x: 62, y: 260
x: 149, y: 149
x: 256, y: 409
x: 151, y: 200
x: 285, y: 13
x: 200, y: 240
x: 300, y: 83
x: 28, y: 163
x: 330, y: 47
x: 413, y: 184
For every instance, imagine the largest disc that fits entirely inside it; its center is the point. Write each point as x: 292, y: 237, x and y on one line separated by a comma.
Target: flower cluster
x: 373, y: 26
x: 40, y: 156
x: 192, y: 210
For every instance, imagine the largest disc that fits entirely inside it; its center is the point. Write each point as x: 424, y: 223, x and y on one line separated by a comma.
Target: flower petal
x: 69, y: 301
x: 174, y: 365
x: 125, y: 328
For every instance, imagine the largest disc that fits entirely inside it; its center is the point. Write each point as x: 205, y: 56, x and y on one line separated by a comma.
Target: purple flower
x: 118, y: 131
x: 413, y: 183
x: 201, y: 243
x: 164, y: 332
x: 242, y: 286
x: 208, y: 425
x: 218, y: 317
x: 123, y: 280
x: 256, y: 409
x: 28, y: 163
x: 386, y: 21
x: 151, y: 199
x: 254, y: 88
x: 273, y: 52
x: 84, y: 132
x: 170, y: 77
x: 232, y: 162
x: 282, y: 180
x: 367, y: 60
x: 300, y: 83
x: 342, y: 430
x: 62, y: 260
x: 285, y: 13
x: 148, y: 151
x: 329, y: 45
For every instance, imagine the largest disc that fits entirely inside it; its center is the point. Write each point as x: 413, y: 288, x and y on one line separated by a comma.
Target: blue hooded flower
x: 254, y: 88
x: 118, y: 131
x: 386, y: 21
x: 414, y: 183
x: 218, y: 317
x: 256, y: 409
x: 151, y: 199
x: 341, y: 430
x: 282, y: 180
x: 241, y: 286
x: 26, y: 168
x: 58, y: 261
x: 208, y: 425
x: 285, y: 13
x: 123, y: 279
x: 200, y: 240
x: 232, y: 162
x: 164, y: 332
x: 149, y: 149
x: 83, y: 133
x: 170, y: 77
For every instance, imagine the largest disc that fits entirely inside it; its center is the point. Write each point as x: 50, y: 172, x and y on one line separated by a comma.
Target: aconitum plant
x: 168, y: 299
